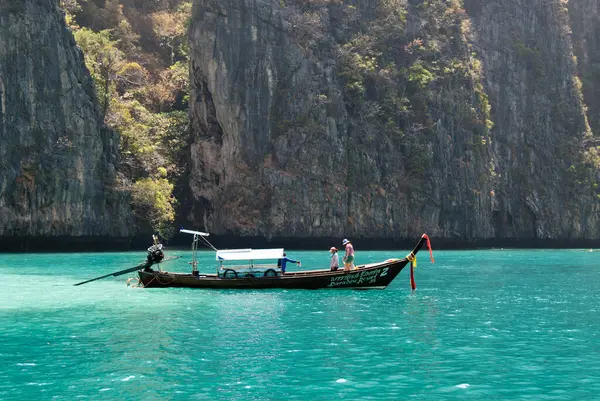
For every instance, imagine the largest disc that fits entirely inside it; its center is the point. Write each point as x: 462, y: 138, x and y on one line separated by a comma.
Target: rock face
x: 537, y: 105
x: 585, y: 25
x: 57, y: 159
x: 390, y: 118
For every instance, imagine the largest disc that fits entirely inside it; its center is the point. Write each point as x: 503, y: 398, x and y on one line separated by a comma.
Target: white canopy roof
x: 193, y: 232
x: 249, y: 254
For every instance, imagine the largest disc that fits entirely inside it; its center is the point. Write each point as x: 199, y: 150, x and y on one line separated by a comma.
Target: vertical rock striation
x: 531, y: 80
x: 57, y: 159
x: 250, y: 82
x: 585, y: 25
x: 388, y: 118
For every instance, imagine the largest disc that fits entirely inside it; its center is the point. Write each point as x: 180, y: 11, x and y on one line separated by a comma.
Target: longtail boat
x: 257, y: 273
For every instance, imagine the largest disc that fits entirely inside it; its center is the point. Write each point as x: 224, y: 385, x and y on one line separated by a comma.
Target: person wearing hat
x: 349, y: 256
x: 335, y: 262
x: 282, y: 263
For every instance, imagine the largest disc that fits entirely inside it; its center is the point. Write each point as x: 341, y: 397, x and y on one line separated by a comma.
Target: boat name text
x: 364, y: 277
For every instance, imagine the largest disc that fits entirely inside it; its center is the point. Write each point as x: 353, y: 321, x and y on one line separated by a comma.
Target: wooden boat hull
x: 379, y: 276
x: 372, y: 276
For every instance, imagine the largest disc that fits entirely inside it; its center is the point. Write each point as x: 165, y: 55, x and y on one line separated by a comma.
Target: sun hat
x: 345, y: 241
x: 333, y: 249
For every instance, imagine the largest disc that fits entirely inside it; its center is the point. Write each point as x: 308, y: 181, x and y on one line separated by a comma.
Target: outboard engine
x: 155, y: 254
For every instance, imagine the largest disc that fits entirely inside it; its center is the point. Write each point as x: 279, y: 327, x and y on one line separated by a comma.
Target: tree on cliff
x: 153, y: 198
x: 103, y: 60
x: 142, y: 93
x: 171, y: 27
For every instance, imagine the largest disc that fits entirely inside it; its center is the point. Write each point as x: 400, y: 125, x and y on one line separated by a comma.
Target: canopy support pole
x: 194, y: 255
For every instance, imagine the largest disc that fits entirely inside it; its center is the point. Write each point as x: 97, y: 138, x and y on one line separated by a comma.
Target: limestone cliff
x: 387, y: 118
x: 585, y: 24
x: 57, y: 159
x: 531, y: 79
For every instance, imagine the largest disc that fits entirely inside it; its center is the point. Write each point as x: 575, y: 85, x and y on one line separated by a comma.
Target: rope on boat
x: 413, y: 264
x: 412, y: 258
x: 160, y: 282
x: 134, y: 285
x: 157, y: 279
x: 208, y: 243
x: 149, y: 282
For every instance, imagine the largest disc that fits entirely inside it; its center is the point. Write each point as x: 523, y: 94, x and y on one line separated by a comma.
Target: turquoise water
x: 493, y: 325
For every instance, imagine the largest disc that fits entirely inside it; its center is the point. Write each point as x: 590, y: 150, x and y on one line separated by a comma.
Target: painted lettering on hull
x: 354, y: 279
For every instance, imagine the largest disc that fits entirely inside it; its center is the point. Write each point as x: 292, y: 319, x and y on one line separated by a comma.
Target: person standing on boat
x: 334, y: 264
x: 349, y: 256
x: 281, y: 263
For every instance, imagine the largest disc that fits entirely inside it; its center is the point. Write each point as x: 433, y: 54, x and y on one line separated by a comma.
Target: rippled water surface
x: 498, y: 324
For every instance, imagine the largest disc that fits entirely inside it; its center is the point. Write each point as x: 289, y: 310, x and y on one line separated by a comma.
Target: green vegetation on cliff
x: 387, y: 118
x: 405, y: 66
x: 386, y: 96
x: 137, y: 56
x: 460, y: 117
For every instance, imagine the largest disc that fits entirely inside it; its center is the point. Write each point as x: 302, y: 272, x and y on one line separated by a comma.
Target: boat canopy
x: 194, y: 232
x: 249, y: 254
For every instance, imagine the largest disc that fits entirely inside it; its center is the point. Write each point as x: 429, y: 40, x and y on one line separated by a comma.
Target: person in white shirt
x: 335, y: 262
